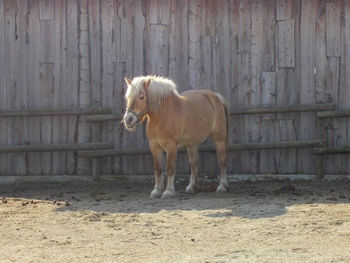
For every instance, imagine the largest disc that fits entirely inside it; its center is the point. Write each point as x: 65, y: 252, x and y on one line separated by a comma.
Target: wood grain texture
x: 286, y: 44
x: 70, y: 54
x: 333, y: 28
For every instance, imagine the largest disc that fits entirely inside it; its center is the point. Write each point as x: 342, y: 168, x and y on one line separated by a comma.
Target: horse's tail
x: 227, y: 115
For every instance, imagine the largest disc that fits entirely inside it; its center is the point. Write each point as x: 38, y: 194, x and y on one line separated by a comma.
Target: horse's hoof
x: 222, y: 188
x: 168, y: 194
x: 155, y: 194
x: 190, y: 190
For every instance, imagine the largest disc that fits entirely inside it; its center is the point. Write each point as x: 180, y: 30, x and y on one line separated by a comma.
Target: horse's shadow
x: 246, y: 200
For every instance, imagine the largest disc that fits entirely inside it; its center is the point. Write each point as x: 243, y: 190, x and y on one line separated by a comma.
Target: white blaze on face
x: 129, y: 120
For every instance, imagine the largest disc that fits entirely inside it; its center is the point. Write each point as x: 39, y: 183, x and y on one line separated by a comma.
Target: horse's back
x: 205, y: 112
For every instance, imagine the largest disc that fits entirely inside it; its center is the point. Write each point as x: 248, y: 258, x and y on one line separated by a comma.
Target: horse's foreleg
x: 171, y: 151
x: 193, y: 158
x: 158, y: 186
x: 221, y: 155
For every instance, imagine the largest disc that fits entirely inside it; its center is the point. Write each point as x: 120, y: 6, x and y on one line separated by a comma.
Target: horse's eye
x: 141, y: 97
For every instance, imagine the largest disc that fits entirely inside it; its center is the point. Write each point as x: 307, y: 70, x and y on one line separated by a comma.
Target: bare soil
x: 114, y: 221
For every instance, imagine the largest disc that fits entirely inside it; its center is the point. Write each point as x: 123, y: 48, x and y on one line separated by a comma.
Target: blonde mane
x: 158, y: 90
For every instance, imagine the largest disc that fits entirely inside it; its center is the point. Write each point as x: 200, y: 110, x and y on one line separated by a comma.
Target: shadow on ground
x: 246, y: 199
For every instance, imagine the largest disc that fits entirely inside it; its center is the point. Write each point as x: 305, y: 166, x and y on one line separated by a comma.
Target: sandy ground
x: 114, y: 221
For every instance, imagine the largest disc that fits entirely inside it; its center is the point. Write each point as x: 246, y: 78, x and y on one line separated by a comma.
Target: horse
x: 176, y: 121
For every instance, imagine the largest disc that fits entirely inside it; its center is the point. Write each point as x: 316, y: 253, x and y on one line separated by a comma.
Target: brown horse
x: 175, y: 121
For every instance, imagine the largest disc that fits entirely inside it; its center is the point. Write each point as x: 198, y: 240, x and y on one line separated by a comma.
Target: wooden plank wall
x: 76, y: 53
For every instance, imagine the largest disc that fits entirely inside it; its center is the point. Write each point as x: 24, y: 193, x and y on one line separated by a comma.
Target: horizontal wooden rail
x: 282, y: 109
x: 53, y: 112
x: 209, y: 148
x: 334, y: 114
x: 55, y: 147
x: 331, y: 150
x: 241, y: 111
x: 103, y: 117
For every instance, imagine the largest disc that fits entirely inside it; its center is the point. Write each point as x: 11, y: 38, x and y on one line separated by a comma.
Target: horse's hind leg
x: 193, y: 158
x: 221, y: 155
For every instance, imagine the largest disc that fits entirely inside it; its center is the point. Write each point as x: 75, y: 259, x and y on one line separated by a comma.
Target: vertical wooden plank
x: 269, y: 160
x: 244, y: 43
x: 47, y: 62
x: 118, y: 107
x: 34, y: 96
x: 346, y: 72
x: 287, y: 156
x: 181, y: 71
x: 321, y: 55
x: 72, y: 81
x: 288, y: 93
x: 333, y: 28
x: 3, y: 89
x: 194, y: 25
x: 159, y: 48
x: 222, y: 49
x: 268, y: 59
x: 84, y: 133
x: 234, y: 158
x: 94, y: 52
x: 108, y: 57
x: 59, y: 125
x: 16, y: 51
x: 47, y: 41
x: 307, y: 81
x: 336, y: 127
x: 159, y: 12
x: 284, y: 9
x: 172, y: 40
x: 47, y: 9
x: 46, y: 93
x: 286, y: 43
x: 268, y: 88
x: 254, y: 88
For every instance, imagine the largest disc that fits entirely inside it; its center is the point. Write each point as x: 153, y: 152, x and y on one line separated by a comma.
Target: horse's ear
x: 146, y: 84
x: 128, y: 81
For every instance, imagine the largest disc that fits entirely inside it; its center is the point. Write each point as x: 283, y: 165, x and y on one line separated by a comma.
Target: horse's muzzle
x: 130, y: 120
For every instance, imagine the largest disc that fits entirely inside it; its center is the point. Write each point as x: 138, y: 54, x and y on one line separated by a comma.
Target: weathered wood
x: 103, y: 117
x: 281, y: 109
x: 284, y: 9
x: 345, y: 74
x: 334, y: 114
x: 242, y: 49
x: 307, y: 80
x: 268, y: 97
x: 46, y: 9
x: 286, y: 42
x: 3, y: 89
x: 333, y: 28
x: 95, y: 167
x: 73, y: 79
x: 54, y: 147
x: 53, y: 112
x: 210, y: 148
x: 332, y: 150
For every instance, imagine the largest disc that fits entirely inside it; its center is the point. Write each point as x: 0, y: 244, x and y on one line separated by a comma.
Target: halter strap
x: 138, y: 116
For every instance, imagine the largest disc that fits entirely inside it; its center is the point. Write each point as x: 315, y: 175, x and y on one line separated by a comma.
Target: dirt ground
x: 114, y: 221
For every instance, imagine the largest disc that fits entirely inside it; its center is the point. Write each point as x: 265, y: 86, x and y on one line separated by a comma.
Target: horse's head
x: 136, y: 102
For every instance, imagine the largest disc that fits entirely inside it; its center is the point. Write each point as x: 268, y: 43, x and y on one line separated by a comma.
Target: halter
x: 138, y: 116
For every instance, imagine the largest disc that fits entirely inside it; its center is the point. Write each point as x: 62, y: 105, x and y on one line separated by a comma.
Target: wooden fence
x: 260, y: 54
